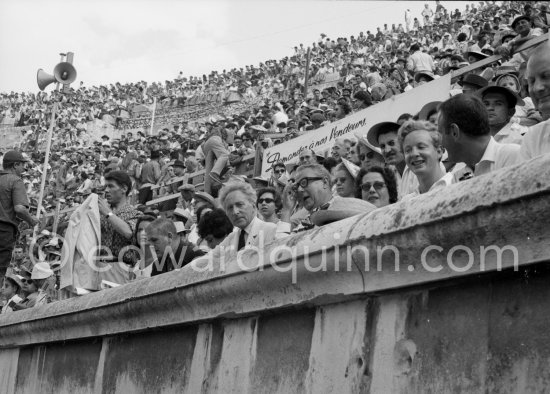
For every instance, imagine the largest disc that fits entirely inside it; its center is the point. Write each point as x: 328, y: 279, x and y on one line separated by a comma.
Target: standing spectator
x: 13, y: 205
x: 419, y: 61
x: 118, y: 224
x: 215, y: 151
x: 150, y: 175
x: 427, y: 14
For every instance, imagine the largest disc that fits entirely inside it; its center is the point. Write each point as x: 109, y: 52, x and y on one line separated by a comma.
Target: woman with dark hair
x: 10, y: 291
x: 143, y: 267
x: 269, y: 204
x: 377, y: 185
x: 214, y: 226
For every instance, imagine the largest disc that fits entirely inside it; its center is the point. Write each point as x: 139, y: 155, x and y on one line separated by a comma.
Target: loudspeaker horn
x: 64, y: 73
x: 44, y: 79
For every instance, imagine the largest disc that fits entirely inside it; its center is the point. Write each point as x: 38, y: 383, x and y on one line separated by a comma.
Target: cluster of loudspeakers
x: 64, y: 73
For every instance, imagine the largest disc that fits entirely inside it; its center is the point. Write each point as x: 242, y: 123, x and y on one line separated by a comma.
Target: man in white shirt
x: 464, y: 125
x: 419, y: 61
x: 238, y: 199
x: 536, y: 141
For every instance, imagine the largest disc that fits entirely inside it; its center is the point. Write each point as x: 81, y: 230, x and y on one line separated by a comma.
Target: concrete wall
x: 365, y: 329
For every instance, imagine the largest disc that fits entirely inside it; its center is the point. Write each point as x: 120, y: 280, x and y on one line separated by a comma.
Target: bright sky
x: 128, y: 41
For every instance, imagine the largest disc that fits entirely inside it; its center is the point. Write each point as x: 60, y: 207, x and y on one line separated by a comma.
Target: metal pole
x: 46, y: 160
x: 306, y: 82
x: 153, y: 117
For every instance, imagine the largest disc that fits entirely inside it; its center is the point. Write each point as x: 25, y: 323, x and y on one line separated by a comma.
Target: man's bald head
x: 307, y: 156
x: 538, y: 70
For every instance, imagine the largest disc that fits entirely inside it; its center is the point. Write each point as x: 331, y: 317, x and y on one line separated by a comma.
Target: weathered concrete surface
x: 352, y: 327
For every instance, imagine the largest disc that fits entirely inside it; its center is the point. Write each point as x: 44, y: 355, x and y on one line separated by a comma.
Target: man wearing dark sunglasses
x: 14, y: 205
x: 278, y: 170
x: 312, y: 190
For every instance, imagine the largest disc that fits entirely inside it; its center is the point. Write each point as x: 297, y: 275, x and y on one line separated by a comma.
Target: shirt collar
x: 251, y: 225
x: 490, y: 153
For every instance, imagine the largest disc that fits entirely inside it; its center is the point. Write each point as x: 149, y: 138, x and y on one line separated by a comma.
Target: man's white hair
x: 243, y: 187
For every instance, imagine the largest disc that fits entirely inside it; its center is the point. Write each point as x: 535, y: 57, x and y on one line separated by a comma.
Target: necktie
x: 241, y: 240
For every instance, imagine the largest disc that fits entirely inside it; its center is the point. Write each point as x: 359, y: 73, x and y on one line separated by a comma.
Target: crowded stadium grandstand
x: 156, y: 177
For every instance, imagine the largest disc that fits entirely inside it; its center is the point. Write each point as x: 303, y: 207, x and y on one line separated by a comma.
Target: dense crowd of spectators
x: 495, y: 118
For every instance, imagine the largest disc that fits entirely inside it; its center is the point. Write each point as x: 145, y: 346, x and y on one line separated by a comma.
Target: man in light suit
x: 238, y: 199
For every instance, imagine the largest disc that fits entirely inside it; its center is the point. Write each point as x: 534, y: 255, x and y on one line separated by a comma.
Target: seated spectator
x: 312, y: 190
x: 526, y: 113
x: 368, y: 154
x: 214, y: 226
x: 501, y: 106
x: 307, y: 156
x: 339, y: 150
x: 536, y: 141
x: 471, y: 83
x: 10, y: 291
x: 239, y: 202
x: 464, y: 125
x: 421, y: 144
x: 33, y: 287
x: 377, y: 185
x: 269, y: 204
x: 172, y: 251
x: 143, y: 267
x: 187, y: 191
x: 384, y: 135
x: 344, y: 175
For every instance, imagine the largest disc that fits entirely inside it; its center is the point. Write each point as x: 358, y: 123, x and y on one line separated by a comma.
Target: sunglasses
x: 280, y: 171
x: 266, y: 200
x: 247, y: 139
x: 28, y: 281
x: 364, y: 156
x: 377, y: 186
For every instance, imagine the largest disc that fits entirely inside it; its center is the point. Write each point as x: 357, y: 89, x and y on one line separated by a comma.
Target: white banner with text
x: 323, y: 138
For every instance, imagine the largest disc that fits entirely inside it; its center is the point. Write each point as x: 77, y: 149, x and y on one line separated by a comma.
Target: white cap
x: 41, y: 271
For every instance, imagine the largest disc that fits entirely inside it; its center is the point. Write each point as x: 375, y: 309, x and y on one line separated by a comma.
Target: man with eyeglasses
x: 312, y: 190
x: 14, y: 205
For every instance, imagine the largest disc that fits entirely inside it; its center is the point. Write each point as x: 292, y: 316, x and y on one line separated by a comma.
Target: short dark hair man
x: 464, y: 125
x: 118, y: 224
x: 501, y: 106
x: 13, y: 205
